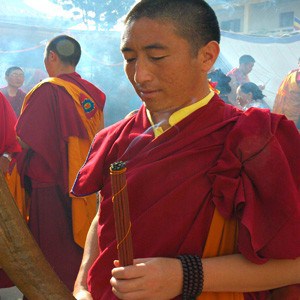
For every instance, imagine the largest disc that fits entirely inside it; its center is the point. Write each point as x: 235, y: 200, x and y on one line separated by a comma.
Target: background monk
x: 59, y: 119
x: 8, y: 140
x: 13, y: 93
x: 210, y: 209
x: 240, y: 75
x: 287, y: 99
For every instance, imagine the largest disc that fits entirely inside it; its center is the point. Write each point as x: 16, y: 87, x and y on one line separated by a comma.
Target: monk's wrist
x: 192, y: 276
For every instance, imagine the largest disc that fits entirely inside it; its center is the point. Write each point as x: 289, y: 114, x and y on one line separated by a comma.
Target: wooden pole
x: 20, y: 256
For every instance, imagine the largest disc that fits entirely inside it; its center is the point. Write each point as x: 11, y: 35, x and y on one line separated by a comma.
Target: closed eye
x: 128, y: 60
x: 158, y: 57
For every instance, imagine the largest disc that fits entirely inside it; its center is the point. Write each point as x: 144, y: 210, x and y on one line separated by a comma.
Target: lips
x: 147, y: 93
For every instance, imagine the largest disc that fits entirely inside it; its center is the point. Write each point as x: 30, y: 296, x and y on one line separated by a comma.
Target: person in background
x: 13, y: 93
x: 221, y: 82
x: 240, y: 75
x: 58, y: 121
x: 287, y: 100
x: 250, y: 95
x: 210, y: 208
x: 9, y: 145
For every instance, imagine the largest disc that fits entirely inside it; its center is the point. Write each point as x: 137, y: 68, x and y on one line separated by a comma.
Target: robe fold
x: 241, y: 164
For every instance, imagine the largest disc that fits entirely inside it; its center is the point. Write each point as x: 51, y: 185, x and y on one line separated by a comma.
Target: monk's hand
x: 150, y: 278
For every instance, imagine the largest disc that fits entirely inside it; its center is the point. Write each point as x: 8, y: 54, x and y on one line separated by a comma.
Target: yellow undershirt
x: 180, y: 114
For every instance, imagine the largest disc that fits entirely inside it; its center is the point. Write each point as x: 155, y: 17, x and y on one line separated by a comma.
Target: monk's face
x: 246, y: 68
x: 15, y: 79
x: 161, y: 66
x: 242, y: 98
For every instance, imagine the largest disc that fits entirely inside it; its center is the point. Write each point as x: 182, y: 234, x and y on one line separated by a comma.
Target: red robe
x: 9, y: 144
x: 15, y: 101
x: 48, y: 119
x: 8, y: 119
x: 245, y: 164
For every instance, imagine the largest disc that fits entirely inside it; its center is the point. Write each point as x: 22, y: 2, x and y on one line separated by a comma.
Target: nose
x: 142, y: 72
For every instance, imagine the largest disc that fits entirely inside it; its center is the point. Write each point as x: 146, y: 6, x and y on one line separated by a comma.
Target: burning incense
x: 121, y: 213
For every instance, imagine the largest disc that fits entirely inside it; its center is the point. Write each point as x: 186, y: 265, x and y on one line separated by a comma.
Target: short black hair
x: 246, y: 59
x: 67, y: 49
x: 251, y: 87
x: 11, y: 69
x: 194, y: 20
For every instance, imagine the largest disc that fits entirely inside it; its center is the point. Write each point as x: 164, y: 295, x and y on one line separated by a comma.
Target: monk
x: 287, y: 99
x: 13, y: 92
x: 8, y: 141
x: 211, y: 214
x: 59, y: 119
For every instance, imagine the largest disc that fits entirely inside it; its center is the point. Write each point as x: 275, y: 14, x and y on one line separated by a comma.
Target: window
x: 231, y: 25
x: 286, y: 19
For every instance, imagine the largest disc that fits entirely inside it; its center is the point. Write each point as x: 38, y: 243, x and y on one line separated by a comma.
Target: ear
x: 52, y: 56
x: 208, y: 55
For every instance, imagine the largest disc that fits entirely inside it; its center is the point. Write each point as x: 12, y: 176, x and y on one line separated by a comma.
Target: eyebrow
x: 148, y: 47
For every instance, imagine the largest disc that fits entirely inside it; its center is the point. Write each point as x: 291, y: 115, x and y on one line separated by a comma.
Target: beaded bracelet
x: 192, y: 276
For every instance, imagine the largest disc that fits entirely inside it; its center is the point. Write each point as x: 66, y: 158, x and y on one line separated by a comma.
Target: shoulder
x: 21, y: 92
x: 4, y: 91
x: 233, y: 72
x: 256, y: 128
x: 111, y: 132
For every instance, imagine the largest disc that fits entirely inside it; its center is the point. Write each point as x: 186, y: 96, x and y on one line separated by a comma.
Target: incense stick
x: 121, y: 213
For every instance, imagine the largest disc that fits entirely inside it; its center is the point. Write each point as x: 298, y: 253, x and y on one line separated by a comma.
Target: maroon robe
x: 45, y: 124
x: 9, y: 144
x: 245, y: 164
x: 15, y: 101
x: 8, y: 119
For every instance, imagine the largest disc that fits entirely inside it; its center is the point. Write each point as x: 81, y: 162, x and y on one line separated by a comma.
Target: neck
x: 161, y: 118
x: 12, y: 91
x: 63, y: 70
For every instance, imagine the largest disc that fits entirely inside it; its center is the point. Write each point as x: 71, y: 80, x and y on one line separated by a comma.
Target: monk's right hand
x: 148, y: 279
x: 82, y: 295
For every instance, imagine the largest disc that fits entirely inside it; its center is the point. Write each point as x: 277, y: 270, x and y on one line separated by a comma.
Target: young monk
x: 212, y: 215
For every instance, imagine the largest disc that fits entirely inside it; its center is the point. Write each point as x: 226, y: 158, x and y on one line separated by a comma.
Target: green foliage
x: 103, y: 13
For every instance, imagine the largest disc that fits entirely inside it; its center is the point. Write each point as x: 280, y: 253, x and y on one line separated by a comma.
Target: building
x: 258, y: 17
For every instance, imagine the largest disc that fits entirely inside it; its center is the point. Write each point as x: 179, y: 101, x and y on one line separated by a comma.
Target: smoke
x: 23, y: 43
x: 25, y: 29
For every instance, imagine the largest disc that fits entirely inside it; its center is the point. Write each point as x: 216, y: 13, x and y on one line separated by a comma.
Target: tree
x: 101, y: 14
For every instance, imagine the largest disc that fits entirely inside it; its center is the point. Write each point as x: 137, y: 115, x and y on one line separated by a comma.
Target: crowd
x: 236, y: 88
x: 212, y: 170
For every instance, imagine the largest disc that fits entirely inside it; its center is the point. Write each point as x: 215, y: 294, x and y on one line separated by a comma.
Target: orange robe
x: 287, y: 101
